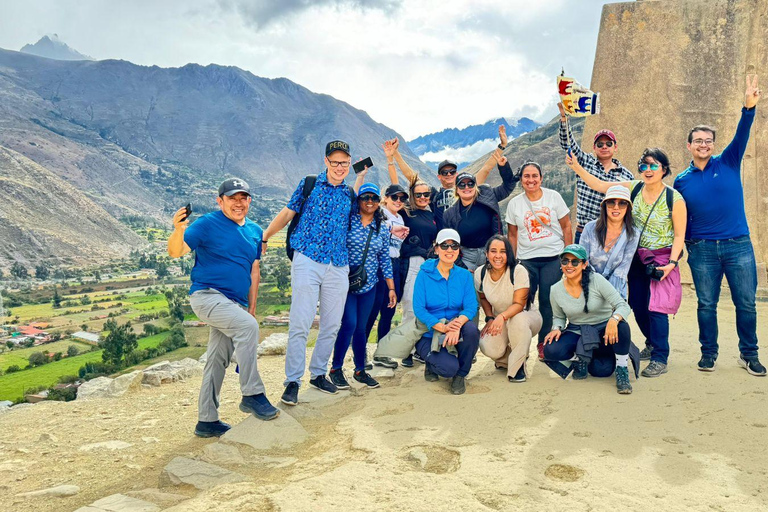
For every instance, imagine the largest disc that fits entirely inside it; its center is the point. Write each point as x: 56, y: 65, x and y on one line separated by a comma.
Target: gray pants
x: 473, y: 257
x: 232, y: 330
x: 414, y: 265
x: 311, y: 281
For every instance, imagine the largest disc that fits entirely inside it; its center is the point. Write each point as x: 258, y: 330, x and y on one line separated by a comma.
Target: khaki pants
x: 511, y: 346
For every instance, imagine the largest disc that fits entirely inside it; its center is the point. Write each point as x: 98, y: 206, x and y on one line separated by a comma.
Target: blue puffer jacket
x: 435, y: 297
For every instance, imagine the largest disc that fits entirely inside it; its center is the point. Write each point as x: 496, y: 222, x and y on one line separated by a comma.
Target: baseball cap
x: 576, y: 250
x: 336, y: 145
x: 448, y: 234
x: 605, y: 133
x: 395, y: 188
x: 466, y: 176
x: 446, y: 163
x: 371, y: 188
x: 232, y: 186
x: 618, y: 192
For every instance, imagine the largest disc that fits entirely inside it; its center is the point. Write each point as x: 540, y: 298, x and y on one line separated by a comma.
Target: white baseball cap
x: 448, y: 234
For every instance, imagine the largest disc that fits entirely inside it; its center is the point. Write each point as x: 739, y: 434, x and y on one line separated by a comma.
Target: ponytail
x: 585, y: 287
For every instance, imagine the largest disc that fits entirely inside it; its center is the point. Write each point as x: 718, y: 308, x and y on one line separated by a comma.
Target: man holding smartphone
x: 225, y: 286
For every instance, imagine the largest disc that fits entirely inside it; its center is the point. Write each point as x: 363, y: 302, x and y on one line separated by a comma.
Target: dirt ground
x: 684, y: 441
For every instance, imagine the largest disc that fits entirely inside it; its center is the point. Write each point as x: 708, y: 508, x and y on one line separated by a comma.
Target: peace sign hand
x: 753, y: 92
x: 500, y: 160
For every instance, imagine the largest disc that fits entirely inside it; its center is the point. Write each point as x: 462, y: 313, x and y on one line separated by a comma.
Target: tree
x: 72, y: 351
x: 42, y: 272
x: 10, y: 344
x: 56, y: 300
x: 38, y: 359
x: 176, y: 298
x: 283, y: 276
x: 13, y: 369
x: 162, y: 270
x: 84, y: 327
x: 85, y: 300
x: 120, y: 342
x: 19, y: 271
x: 57, y: 356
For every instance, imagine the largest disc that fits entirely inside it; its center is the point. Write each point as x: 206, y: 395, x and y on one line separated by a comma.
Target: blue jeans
x: 381, y: 303
x: 653, y: 325
x: 356, y: 312
x: 709, y: 261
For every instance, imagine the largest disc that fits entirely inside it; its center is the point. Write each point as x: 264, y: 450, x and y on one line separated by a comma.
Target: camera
x: 653, y: 271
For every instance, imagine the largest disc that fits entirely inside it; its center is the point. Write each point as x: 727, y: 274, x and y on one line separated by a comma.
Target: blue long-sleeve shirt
x: 714, y: 196
x: 435, y: 297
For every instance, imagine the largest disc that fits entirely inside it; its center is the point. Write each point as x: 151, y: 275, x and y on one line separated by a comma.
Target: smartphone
x: 362, y: 164
x: 569, y: 153
x: 188, y: 212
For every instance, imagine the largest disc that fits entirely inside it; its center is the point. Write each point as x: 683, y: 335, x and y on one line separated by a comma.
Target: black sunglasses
x: 447, y: 173
x: 573, y: 262
x: 399, y: 197
x: 418, y: 195
x: 465, y: 184
x: 445, y: 246
x: 369, y: 198
x: 608, y: 143
x: 612, y: 203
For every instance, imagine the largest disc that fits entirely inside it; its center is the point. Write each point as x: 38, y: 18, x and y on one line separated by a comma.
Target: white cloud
x: 461, y: 155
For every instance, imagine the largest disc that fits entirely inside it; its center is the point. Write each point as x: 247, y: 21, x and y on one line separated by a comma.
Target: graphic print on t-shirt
x: 534, y: 228
x: 444, y: 199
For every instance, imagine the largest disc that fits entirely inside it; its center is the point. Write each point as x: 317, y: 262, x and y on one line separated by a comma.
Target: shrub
x: 62, y: 395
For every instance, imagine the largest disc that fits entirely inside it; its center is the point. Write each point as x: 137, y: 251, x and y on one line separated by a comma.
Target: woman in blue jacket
x: 444, y: 299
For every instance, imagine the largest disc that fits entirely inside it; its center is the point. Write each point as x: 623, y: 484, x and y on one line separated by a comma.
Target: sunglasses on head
x: 399, y: 197
x: 448, y: 172
x: 419, y: 195
x: 452, y: 246
x: 465, y: 184
x: 613, y: 203
x: 369, y: 198
x: 608, y: 144
x: 645, y: 167
x: 573, y: 262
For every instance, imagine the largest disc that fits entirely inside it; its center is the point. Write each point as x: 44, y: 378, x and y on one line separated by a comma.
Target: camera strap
x: 663, y: 192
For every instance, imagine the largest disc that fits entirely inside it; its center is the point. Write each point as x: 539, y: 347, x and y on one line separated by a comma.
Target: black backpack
x: 309, y: 186
x: 670, y: 196
x: 484, y: 270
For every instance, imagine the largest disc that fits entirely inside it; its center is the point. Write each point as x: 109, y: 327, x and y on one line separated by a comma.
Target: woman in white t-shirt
x: 539, y: 228
x: 511, y: 320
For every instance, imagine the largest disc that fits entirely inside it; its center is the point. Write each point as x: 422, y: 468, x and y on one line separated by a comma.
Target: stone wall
x: 664, y: 66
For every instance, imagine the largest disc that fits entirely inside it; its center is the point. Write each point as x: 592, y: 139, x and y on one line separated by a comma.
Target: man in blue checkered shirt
x: 600, y: 164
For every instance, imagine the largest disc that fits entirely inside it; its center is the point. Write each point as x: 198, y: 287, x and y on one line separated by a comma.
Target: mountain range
x: 52, y: 47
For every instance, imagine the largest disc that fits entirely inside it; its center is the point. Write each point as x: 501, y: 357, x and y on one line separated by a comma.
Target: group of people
x: 449, y: 255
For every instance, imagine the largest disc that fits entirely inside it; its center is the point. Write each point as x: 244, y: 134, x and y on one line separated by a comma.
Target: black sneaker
x: 259, y: 406
x: 707, y: 364
x: 211, y: 428
x: 338, y: 379
x: 366, y: 379
x: 580, y: 370
x: 645, y: 354
x: 324, y: 385
x: 386, y: 362
x: 418, y: 359
x: 429, y: 375
x: 752, y: 365
x: 368, y: 366
x: 519, y: 376
x: 408, y: 361
x: 457, y: 385
x: 623, y: 387
x: 291, y: 394
x: 499, y: 367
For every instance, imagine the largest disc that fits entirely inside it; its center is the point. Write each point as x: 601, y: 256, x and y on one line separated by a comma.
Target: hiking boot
x: 707, y: 364
x: 645, y: 354
x: 321, y: 383
x: 259, y: 406
x: 429, y: 375
x: 338, y: 379
x: 623, y: 387
x: 654, y: 369
x: 386, y: 362
x: 366, y: 379
x: 752, y: 365
x: 408, y: 361
x: 579, y: 370
x: 418, y: 359
x: 211, y: 428
x: 457, y: 385
x: 519, y: 376
x: 291, y: 394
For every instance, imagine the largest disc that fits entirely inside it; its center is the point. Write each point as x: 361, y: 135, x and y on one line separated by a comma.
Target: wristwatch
x: 617, y: 317
x: 501, y: 147
x: 674, y: 262
x: 489, y: 318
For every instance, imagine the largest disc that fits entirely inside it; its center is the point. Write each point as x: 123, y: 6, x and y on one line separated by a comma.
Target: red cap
x: 605, y: 133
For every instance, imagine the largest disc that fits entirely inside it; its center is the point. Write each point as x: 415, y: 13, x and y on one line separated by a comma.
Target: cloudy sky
x: 418, y: 66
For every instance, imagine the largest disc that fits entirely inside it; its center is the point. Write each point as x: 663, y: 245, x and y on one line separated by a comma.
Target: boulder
x: 166, y: 372
x: 219, y: 453
x: 199, y: 474
x: 273, y: 345
x: 125, y: 383
x: 58, y: 491
x: 120, y: 503
x: 94, y: 388
x: 104, y: 387
x: 282, y: 432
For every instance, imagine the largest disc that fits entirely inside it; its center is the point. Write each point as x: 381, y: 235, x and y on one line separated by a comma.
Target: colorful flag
x: 577, y: 100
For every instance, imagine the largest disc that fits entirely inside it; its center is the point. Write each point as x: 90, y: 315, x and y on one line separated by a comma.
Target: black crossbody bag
x: 358, y: 277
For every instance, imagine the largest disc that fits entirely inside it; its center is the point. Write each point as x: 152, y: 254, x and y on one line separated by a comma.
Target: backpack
x: 670, y: 196
x: 309, y: 186
x: 484, y: 270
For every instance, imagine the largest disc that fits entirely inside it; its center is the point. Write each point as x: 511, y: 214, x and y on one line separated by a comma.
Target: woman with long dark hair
x: 588, y: 322
x: 611, y: 239
x: 510, y: 319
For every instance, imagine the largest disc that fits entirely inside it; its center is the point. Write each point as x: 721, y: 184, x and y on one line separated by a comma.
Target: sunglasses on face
x: 613, y: 203
x: 449, y: 172
x: 645, y: 167
x: 465, y: 184
x: 608, y: 144
x: 399, y: 197
x: 452, y: 246
x: 369, y: 198
x: 573, y: 262
x: 419, y: 195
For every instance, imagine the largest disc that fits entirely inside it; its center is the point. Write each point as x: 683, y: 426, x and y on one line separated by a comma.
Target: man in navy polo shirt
x: 718, y: 236
x: 320, y: 269
x: 225, y: 285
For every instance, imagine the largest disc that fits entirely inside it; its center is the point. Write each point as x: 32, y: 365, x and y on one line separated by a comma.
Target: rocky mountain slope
x: 51, y: 47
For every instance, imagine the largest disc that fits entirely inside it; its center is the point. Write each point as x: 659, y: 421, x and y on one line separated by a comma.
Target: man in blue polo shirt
x: 320, y: 269
x: 225, y: 286
x: 718, y: 236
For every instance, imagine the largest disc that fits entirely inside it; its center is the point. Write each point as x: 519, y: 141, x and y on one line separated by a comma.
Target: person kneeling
x: 444, y: 298
x: 594, y: 310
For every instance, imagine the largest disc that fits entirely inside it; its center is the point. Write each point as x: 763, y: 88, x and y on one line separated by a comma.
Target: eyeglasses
x: 703, y: 142
x: 445, y: 246
x: 608, y: 144
x: 399, y: 197
x: 613, y: 203
x: 419, y: 195
x: 573, y: 262
x: 449, y: 172
x: 645, y: 167
x: 465, y: 184
x: 343, y: 164
x: 369, y: 198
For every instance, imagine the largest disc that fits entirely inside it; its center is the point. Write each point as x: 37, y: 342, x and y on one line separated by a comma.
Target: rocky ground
x: 684, y: 441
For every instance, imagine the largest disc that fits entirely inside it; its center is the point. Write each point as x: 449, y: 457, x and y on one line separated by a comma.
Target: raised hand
x: 396, y: 144
x: 389, y: 150
x: 501, y: 160
x: 503, y: 135
x: 753, y: 92
x: 562, y: 110
x: 178, y: 223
